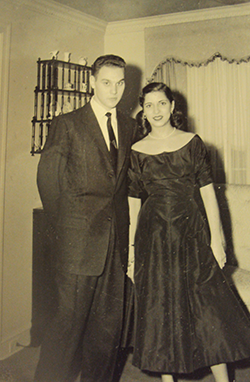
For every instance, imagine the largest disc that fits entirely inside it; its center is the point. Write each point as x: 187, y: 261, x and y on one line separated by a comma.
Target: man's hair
x: 107, y: 60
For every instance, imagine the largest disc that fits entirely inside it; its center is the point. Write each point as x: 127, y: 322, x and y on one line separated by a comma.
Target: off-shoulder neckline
x: 166, y: 152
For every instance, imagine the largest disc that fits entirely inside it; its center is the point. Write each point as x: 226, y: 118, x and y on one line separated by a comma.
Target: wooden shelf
x: 61, y: 87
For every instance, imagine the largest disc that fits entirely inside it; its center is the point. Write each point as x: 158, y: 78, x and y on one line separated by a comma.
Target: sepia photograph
x: 124, y: 190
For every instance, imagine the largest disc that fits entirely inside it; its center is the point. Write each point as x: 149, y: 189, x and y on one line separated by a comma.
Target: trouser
x: 85, y: 332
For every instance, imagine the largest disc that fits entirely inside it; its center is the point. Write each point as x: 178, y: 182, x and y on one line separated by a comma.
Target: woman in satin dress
x: 186, y: 317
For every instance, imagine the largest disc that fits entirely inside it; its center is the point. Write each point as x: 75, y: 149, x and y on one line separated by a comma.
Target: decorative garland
x: 199, y: 64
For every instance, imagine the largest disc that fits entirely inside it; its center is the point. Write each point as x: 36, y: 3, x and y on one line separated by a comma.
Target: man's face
x: 108, y: 85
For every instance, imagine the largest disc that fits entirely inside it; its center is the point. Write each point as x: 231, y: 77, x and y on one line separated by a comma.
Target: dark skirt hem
x: 190, y: 370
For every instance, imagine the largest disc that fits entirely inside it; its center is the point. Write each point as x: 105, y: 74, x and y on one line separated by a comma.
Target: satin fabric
x: 187, y: 317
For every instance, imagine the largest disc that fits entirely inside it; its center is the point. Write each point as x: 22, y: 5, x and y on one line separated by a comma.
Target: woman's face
x: 157, y: 109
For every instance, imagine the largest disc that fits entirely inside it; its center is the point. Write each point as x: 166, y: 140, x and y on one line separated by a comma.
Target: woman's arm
x: 134, y: 208
x: 213, y: 216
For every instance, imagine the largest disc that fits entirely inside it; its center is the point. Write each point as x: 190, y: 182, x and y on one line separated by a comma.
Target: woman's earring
x: 144, y: 116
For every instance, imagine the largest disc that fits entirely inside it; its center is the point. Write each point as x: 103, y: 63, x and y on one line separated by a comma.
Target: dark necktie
x: 113, y: 145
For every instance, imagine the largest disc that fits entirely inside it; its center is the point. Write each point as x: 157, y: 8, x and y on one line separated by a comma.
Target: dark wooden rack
x: 61, y: 87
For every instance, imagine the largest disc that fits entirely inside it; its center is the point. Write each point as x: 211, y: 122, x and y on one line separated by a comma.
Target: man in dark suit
x: 83, y: 187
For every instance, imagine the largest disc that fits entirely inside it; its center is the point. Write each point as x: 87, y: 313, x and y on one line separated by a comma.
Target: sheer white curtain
x: 173, y: 73
x: 218, y: 108
x: 218, y: 105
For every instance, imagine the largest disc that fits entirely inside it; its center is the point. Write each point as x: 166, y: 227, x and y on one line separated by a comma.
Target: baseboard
x: 14, y: 344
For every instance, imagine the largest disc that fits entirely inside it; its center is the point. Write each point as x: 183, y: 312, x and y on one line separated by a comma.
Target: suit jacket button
x: 111, y: 174
x: 109, y: 218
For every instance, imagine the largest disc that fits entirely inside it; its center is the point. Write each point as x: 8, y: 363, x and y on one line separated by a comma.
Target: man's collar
x: 101, y: 110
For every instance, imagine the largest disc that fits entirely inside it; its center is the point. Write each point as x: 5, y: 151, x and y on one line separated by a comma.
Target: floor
x: 21, y: 366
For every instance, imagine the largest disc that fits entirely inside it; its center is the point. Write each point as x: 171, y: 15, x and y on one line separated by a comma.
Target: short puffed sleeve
x: 203, y: 169
x: 134, y: 174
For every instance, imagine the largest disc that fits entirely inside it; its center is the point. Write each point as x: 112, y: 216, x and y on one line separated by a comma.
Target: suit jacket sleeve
x: 51, y: 168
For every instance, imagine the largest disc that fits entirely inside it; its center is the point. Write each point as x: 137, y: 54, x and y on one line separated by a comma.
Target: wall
x: 193, y: 35
x: 37, y: 27
x: 198, y: 40
x: 128, y: 42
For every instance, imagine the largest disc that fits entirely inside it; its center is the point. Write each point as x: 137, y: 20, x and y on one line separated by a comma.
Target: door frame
x: 5, y: 33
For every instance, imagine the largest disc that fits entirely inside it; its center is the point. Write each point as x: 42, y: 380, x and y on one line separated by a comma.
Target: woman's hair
x: 176, y: 118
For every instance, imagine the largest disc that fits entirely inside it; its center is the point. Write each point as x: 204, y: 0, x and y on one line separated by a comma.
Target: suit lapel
x: 89, y: 119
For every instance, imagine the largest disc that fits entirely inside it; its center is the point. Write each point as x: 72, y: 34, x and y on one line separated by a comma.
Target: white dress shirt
x: 100, y: 112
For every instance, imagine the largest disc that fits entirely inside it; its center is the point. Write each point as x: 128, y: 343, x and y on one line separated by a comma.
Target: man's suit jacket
x: 80, y: 192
